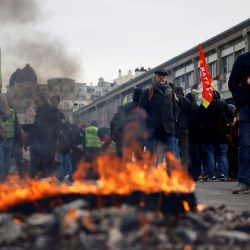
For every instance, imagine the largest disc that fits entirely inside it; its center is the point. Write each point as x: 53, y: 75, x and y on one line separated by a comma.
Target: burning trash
x: 139, y: 184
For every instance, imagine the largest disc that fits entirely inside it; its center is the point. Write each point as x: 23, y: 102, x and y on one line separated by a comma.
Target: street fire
x: 115, y: 178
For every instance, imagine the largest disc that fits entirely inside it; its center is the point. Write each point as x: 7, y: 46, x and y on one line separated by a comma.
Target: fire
x: 186, y: 206
x: 115, y: 177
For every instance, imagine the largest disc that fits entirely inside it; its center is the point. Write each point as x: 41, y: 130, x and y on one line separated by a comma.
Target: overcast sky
x: 103, y: 36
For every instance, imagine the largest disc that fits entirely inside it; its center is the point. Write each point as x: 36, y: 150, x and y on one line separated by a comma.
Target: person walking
x: 160, y: 104
x: 239, y: 85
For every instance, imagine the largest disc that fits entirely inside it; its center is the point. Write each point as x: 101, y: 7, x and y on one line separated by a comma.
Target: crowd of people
x: 160, y: 118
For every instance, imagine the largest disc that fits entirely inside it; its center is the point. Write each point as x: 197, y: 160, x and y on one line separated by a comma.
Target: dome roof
x: 27, y: 74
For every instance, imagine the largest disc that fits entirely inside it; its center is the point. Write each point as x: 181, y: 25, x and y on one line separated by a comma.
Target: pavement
x: 220, y: 193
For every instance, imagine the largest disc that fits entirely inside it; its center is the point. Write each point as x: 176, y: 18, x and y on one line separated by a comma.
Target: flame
x: 186, y: 206
x: 200, y: 207
x: 115, y: 177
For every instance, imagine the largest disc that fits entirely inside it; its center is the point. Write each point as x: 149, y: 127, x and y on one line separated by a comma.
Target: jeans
x: 169, y: 141
x: 6, y: 148
x: 244, y: 146
x: 65, y: 167
x: 216, y: 152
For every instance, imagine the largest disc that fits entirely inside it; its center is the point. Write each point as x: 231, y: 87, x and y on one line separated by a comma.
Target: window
x: 89, y: 89
x: 72, y: 89
x: 238, y: 53
x: 180, y: 81
x: 66, y: 106
x: 213, y: 69
x: 27, y: 104
x: 227, y: 63
x: 80, y: 93
x: 66, y: 92
x: 190, y: 78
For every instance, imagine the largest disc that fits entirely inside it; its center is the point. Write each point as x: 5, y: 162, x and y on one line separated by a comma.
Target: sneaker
x: 223, y: 177
x: 241, y: 188
x: 213, y: 178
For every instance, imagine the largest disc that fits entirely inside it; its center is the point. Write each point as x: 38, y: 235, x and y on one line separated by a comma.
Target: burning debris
x: 132, y: 205
x: 138, y: 183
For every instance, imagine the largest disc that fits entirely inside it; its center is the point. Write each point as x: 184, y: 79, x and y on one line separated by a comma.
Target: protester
x: 195, y: 141
x: 232, y: 135
x: 92, y: 142
x: 107, y: 144
x: 127, y: 128
x: 182, y: 126
x: 214, y: 136
x: 42, y: 140
x: 65, y: 146
x: 239, y: 85
x: 10, y: 134
x: 159, y: 102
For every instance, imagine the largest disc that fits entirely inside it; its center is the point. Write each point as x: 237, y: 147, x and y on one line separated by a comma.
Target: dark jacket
x: 42, y: 138
x: 214, y: 122
x: 65, y: 142
x: 239, y: 81
x: 119, y: 119
x: 195, y: 121
x: 161, y: 108
x: 185, y: 109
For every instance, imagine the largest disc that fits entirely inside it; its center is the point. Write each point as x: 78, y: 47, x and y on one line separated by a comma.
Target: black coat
x: 239, y: 81
x: 42, y: 136
x: 185, y: 110
x: 161, y: 109
x: 66, y: 140
x: 214, y: 122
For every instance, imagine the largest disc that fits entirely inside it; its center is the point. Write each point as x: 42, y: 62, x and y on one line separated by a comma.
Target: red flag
x: 206, y: 80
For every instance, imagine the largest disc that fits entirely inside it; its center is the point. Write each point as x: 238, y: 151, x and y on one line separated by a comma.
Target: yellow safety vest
x: 9, y: 125
x: 92, y: 140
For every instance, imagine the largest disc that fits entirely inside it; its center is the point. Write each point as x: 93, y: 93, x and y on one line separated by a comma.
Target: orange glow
x: 200, y: 207
x: 115, y: 177
x: 18, y: 221
x: 186, y: 206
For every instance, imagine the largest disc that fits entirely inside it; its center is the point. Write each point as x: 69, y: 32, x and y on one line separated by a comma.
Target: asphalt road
x: 220, y: 193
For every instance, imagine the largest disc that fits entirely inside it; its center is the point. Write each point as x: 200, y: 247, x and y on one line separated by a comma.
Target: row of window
x: 187, y: 80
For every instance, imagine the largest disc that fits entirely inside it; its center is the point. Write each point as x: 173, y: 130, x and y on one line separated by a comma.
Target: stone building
x: 23, y: 87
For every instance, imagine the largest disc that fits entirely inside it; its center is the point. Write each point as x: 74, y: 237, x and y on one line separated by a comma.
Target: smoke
x: 19, y: 11
x: 48, y: 57
x: 21, y: 43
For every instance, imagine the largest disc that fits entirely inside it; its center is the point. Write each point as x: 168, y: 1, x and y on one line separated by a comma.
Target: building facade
x: 23, y: 87
x: 220, y: 51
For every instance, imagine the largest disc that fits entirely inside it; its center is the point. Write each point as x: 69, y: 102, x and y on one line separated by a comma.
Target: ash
x: 74, y: 226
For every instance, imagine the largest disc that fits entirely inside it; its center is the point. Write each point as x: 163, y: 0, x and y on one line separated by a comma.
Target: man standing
x: 41, y: 139
x: 239, y: 85
x: 160, y: 104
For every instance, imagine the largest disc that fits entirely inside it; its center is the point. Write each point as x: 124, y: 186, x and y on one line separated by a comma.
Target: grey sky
x: 107, y: 35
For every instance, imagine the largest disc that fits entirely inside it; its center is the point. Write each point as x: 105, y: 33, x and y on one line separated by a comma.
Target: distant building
x: 125, y: 78
x: 23, y: 87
